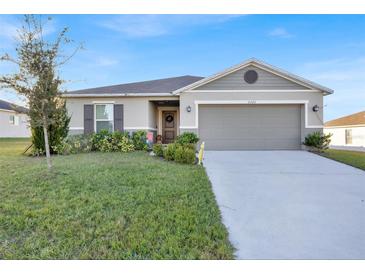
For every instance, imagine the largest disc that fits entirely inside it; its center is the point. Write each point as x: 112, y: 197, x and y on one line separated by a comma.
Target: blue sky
x: 327, y: 49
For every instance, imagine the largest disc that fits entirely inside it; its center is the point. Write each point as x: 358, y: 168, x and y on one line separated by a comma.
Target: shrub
x: 189, y: 156
x: 158, y: 150
x: 140, y: 140
x: 57, y: 131
x: 185, y: 155
x: 108, y: 142
x: 179, y: 154
x: 318, y: 141
x: 169, y: 152
x: 187, y: 138
x: 105, y: 145
x: 74, y: 144
x: 97, y: 138
x: 121, y: 141
x: 124, y: 144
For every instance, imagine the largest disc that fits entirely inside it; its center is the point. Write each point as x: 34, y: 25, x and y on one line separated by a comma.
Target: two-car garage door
x: 250, y: 127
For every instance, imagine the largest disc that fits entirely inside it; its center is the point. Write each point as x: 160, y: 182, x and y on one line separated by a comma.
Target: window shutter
x: 118, y: 117
x: 88, y: 119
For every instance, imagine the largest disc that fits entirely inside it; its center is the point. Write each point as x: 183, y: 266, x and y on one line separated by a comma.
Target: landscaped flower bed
x: 183, y: 150
x: 103, y: 141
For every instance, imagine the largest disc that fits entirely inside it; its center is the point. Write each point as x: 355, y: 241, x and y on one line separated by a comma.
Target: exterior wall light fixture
x: 315, y: 108
x: 188, y: 108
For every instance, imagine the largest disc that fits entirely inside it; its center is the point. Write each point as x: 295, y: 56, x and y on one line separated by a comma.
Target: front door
x: 168, y: 126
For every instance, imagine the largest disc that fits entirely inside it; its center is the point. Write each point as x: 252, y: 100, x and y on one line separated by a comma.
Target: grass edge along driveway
x: 107, y: 206
x: 352, y: 158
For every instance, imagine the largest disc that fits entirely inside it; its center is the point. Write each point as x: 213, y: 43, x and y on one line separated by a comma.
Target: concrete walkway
x: 289, y: 204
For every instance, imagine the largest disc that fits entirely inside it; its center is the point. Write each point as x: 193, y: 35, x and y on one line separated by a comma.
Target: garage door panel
x: 249, y: 127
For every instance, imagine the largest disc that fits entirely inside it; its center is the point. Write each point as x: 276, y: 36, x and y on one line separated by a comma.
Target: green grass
x: 352, y: 158
x: 106, y: 206
x: 13, y: 146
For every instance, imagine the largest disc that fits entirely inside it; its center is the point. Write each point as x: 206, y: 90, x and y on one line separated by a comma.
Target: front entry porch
x: 168, y: 120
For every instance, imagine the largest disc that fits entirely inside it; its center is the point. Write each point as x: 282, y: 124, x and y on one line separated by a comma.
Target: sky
x: 327, y: 49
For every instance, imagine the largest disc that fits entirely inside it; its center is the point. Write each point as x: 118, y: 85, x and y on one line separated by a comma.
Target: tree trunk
x: 46, y: 144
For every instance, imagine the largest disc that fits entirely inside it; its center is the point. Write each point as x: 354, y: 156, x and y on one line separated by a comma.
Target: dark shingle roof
x: 10, y: 106
x: 353, y: 119
x: 166, y: 85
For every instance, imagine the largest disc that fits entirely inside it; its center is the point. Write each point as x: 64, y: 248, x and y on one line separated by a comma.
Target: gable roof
x: 349, y: 120
x: 159, y: 86
x: 262, y: 65
x: 13, y: 107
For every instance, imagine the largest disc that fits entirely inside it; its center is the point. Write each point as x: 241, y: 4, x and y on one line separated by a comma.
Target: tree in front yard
x: 37, y: 80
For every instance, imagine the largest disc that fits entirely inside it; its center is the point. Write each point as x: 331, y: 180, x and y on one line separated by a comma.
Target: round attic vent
x: 250, y: 76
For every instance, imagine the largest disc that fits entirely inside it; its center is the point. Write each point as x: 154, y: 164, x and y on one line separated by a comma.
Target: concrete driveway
x: 289, y: 204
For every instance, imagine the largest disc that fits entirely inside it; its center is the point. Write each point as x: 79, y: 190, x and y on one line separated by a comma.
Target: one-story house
x: 14, y: 121
x: 250, y: 106
x: 347, y: 131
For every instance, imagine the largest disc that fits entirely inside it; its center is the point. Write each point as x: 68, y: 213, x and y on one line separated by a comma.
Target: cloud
x: 345, y: 76
x: 7, y: 28
x: 102, y: 61
x: 10, y: 24
x: 358, y: 44
x: 337, y: 69
x: 13, y: 97
x: 137, y: 26
x: 280, y: 32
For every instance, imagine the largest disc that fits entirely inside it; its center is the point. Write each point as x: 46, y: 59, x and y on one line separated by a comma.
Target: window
x: 12, y: 119
x: 104, y: 118
x: 348, y: 136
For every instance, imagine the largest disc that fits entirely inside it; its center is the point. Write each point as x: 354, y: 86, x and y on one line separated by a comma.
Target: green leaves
x: 318, y: 140
x: 37, y: 60
x: 187, y: 138
x: 108, y: 206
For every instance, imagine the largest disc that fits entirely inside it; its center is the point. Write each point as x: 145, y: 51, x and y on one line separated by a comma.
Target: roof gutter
x: 73, y: 95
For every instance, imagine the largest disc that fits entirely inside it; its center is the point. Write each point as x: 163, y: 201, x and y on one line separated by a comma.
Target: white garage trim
x: 251, y: 102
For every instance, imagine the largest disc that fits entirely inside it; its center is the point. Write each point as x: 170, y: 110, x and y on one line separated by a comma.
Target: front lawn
x: 352, y: 158
x: 106, y: 206
x: 13, y: 146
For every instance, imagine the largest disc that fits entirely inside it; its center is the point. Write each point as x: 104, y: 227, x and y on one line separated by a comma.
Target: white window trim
x: 251, y: 102
x: 16, y: 120
x: 103, y: 120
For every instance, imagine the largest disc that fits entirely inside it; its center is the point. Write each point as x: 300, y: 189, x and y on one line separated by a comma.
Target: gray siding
x: 250, y: 127
x: 265, y: 81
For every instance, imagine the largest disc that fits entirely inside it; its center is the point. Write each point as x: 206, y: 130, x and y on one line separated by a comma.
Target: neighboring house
x: 252, y: 105
x: 348, y: 131
x: 13, y: 120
